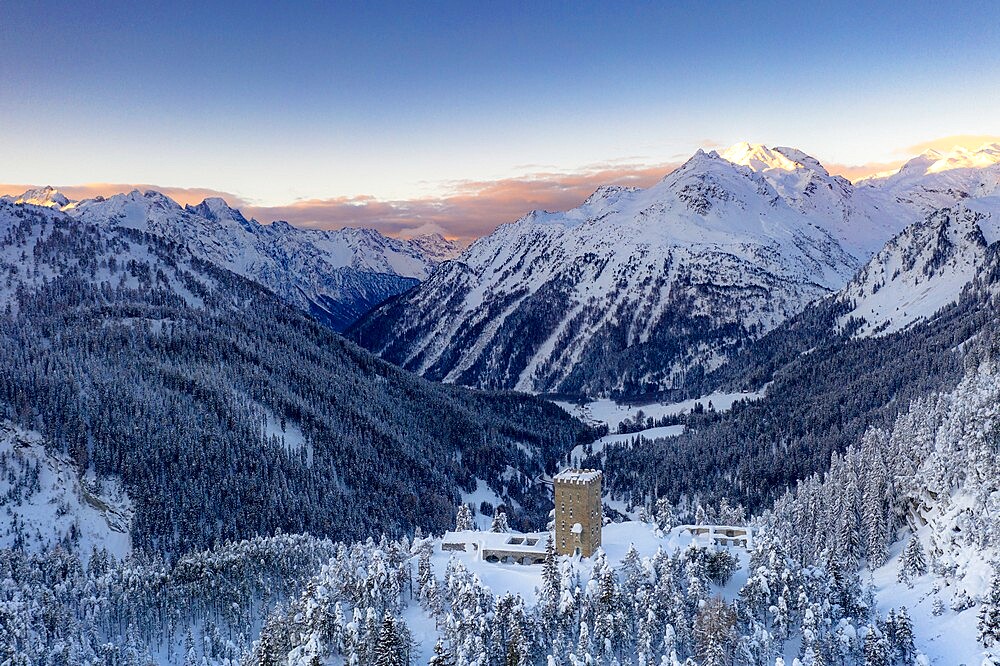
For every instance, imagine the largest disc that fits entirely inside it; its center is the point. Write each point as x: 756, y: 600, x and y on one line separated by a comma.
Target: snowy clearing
x: 610, y: 413
x: 46, y: 504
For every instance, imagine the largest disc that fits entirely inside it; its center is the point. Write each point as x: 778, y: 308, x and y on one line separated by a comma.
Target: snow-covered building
x: 516, y: 547
x: 579, y: 514
x: 721, y: 535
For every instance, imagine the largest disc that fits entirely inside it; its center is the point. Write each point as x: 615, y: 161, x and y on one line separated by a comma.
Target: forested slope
x: 228, y: 414
x: 825, y: 387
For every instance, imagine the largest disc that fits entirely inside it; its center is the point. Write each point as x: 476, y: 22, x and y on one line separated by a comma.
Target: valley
x: 199, y: 468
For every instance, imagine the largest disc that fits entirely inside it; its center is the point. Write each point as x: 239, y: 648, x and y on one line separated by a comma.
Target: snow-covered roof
x: 526, y: 542
x: 578, y: 475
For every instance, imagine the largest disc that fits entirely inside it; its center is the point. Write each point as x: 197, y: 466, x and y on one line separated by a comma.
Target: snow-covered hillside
x: 635, y: 288
x: 45, y: 503
x: 916, y: 507
x: 435, y: 247
x: 921, y: 270
x: 335, y: 275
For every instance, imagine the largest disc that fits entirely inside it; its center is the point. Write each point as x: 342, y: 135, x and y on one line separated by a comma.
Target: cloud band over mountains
x: 467, y: 209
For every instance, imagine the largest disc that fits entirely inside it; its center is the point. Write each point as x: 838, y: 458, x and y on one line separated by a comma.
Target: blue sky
x: 400, y: 101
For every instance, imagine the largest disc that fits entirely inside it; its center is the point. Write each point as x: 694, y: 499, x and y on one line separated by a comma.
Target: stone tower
x: 579, y: 517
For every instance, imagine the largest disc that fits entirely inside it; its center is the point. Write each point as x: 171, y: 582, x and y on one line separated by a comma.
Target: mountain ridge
x: 634, y: 289
x: 335, y: 275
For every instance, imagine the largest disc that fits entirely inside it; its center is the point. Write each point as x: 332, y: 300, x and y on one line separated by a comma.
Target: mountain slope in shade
x: 335, y: 275
x: 922, y: 269
x: 634, y: 289
x: 436, y: 247
x: 227, y: 413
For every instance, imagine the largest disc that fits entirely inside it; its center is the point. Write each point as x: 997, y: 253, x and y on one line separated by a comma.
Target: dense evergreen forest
x: 228, y: 414
x: 825, y: 388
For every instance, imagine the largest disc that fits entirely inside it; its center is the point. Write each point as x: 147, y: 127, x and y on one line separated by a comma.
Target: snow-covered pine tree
x: 989, y: 615
x: 903, y: 639
x: 714, y: 632
x: 441, y: 656
x: 389, y: 645
x: 663, y: 514
x: 551, y: 590
x: 500, y: 523
x: 937, y: 608
x: 463, y: 519
x: 914, y: 558
x: 876, y: 648
x: 424, y: 572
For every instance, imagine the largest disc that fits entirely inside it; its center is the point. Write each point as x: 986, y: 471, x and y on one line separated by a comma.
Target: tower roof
x: 578, y: 475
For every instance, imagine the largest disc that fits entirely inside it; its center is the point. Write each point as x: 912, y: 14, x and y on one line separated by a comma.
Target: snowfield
x: 45, y: 504
x: 949, y: 639
x: 610, y: 413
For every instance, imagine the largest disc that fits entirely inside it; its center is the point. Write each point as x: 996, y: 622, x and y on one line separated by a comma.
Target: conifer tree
x: 441, y: 656
x: 499, y: 523
x: 989, y: 615
x: 551, y: 591
x: 914, y: 559
x: 389, y: 646
x: 905, y: 649
x: 463, y: 519
x: 876, y: 648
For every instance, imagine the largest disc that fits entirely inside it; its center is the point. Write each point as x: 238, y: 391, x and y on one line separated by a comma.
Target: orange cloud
x: 470, y: 209
x: 943, y: 145
x: 467, y: 210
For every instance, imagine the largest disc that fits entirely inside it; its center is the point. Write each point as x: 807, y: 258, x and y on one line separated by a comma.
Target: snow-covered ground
x: 43, y: 502
x: 948, y: 639
x: 581, y: 450
x: 288, y: 433
x: 524, y: 580
x: 611, y: 413
x: 483, y: 493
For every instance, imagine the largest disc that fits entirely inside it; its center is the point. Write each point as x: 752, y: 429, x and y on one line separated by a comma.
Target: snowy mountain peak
x: 962, y: 158
x: 935, y: 180
x: 216, y: 208
x: 760, y: 158
x: 699, y: 160
x: 149, y: 198
x: 47, y: 196
x: 435, y: 246
x: 606, y: 193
